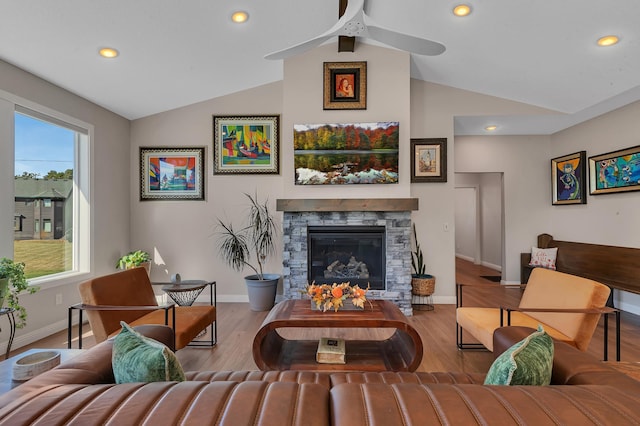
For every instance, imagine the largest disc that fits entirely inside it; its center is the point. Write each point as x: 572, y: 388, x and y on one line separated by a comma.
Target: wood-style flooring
x: 238, y: 325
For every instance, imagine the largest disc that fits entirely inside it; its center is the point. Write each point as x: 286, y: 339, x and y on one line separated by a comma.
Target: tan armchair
x: 567, y: 306
x: 128, y: 296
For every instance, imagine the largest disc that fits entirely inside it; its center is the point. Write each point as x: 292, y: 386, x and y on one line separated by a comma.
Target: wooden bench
x: 617, y: 267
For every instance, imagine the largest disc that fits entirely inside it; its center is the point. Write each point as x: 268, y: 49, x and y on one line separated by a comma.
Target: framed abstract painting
x: 568, y: 179
x: 171, y: 173
x: 617, y: 171
x: 246, y: 144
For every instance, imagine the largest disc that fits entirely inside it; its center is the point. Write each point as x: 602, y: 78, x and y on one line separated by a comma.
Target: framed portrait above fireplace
x: 342, y: 154
x: 345, y: 85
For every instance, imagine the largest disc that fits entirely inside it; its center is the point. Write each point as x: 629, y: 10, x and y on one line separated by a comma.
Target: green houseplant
x: 134, y: 259
x: 253, y: 241
x: 422, y: 284
x: 12, y: 283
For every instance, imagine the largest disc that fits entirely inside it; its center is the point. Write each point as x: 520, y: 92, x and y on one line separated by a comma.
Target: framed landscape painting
x: 343, y: 154
x: 617, y: 171
x: 568, y: 179
x: 246, y: 144
x: 429, y: 160
x: 171, y: 173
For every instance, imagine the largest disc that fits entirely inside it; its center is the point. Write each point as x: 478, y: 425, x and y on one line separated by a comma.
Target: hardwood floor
x: 238, y: 325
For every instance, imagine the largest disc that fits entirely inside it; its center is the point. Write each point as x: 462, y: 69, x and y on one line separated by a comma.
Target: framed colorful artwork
x: 617, y: 171
x: 429, y: 160
x: 345, y: 85
x: 343, y: 154
x: 171, y: 173
x: 568, y: 179
x: 246, y: 144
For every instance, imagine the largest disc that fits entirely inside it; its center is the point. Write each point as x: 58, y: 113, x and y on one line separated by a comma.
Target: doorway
x: 479, y: 219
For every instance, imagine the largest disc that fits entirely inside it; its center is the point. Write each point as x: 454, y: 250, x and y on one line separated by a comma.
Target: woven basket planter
x: 423, y: 286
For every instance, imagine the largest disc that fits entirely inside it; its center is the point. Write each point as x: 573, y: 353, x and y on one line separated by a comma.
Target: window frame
x: 83, y: 215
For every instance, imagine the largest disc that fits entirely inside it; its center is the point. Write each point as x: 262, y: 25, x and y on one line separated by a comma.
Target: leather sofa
x: 81, y: 391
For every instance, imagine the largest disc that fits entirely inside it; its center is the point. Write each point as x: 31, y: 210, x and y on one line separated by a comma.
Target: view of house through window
x: 43, y: 187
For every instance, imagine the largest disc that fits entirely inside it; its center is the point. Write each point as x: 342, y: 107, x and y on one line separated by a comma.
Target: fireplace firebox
x: 347, y: 253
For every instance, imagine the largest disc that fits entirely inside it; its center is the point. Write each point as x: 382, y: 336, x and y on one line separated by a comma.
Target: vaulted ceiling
x: 175, y: 53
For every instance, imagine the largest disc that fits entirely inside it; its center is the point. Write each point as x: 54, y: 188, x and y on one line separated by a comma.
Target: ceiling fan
x: 355, y: 23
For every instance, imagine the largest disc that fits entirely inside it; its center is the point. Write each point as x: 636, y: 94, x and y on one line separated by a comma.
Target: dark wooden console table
x: 400, y: 352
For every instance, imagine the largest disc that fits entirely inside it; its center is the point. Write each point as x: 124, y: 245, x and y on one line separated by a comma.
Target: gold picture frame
x: 345, y: 85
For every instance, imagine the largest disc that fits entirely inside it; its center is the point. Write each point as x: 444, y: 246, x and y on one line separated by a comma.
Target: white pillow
x: 545, y: 258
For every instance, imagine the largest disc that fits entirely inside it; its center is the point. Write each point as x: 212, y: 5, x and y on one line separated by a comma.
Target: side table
x: 185, y: 293
x: 12, y: 328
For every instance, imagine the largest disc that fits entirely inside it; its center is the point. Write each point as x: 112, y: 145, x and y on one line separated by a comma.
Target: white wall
x: 524, y: 161
x: 433, y: 109
x: 110, y: 177
x: 610, y: 219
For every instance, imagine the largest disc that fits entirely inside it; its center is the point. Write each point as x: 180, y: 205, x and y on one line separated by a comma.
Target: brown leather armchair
x: 128, y: 296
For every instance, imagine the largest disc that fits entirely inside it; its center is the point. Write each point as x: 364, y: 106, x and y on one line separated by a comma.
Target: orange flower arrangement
x: 333, y: 295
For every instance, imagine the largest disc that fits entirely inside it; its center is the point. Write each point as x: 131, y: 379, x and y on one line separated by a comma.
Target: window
x: 17, y: 222
x: 49, y: 151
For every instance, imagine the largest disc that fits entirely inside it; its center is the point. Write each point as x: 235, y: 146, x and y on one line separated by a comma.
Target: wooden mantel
x: 347, y: 205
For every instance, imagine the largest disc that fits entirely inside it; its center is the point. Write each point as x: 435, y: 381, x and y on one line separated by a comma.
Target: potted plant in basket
x: 254, y: 240
x: 12, y: 283
x: 422, y: 284
x: 134, y: 259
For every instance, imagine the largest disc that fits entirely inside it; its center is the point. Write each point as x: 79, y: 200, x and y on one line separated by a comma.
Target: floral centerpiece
x: 328, y: 296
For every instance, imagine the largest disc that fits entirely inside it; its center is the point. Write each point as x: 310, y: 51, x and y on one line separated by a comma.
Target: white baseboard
x: 34, y: 336
x: 492, y: 266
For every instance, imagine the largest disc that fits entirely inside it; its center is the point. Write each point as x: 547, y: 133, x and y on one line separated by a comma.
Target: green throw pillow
x: 528, y: 362
x: 136, y: 358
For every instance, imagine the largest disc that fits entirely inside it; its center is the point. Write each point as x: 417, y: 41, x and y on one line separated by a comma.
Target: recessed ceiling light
x: 239, y: 17
x: 608, y: 40
x: 108, y: 52
x: 491, y: 128
x: 462, y: 10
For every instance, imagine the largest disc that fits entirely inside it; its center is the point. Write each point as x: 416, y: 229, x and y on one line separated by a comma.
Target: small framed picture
x: 568, y: 179
x: 345, y: 85
x: 171, y: 173
x: 246, y: 144
x: 429, y: 160
x: 617, y: 171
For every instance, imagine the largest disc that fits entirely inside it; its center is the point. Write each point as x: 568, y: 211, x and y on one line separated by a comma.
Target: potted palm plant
x: 12, y: 283
x: 134, y: 259
x: 252, y: 241
x: 422, y: 284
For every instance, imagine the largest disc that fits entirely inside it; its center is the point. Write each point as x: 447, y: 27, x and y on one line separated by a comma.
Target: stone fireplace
x: 342, y: 220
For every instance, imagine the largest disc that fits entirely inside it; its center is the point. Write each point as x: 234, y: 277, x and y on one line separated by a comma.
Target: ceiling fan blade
x: 404, y: 42
x: 298, y: 48
x: 354, y: 8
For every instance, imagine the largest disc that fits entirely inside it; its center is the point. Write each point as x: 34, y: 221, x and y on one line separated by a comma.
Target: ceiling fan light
x: 462, y: 10
x: 491, y: 128
x: 108, y: 52
x: 608, y: 40
x: 240, y: 17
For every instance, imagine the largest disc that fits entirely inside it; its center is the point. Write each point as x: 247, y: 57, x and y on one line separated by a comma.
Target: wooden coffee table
x: 400, y: 352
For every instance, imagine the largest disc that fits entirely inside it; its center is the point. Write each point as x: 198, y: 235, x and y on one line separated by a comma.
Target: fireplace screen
x: 347, y: 253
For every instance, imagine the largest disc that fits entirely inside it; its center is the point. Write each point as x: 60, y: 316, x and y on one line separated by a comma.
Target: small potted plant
x: 422, y: 284
x: 12, y: 283
x: 254, y: 240
x: 134, y: 259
